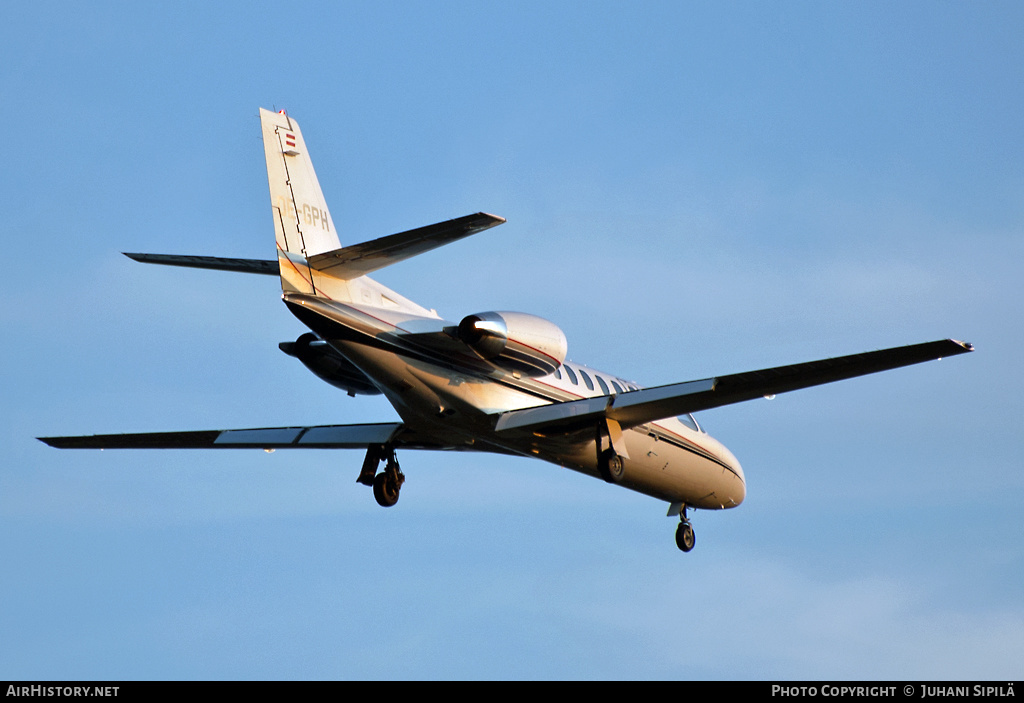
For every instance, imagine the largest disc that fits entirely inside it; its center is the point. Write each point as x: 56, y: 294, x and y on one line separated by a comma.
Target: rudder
x: 302, y: 221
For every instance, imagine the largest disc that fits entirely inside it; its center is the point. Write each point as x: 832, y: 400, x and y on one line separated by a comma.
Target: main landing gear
x: 610, y: 466
x: 387, y: 483
x: 685, y: 539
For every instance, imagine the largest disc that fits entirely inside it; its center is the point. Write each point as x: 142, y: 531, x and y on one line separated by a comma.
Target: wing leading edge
x: 649, y: 404
x: 318, y: 437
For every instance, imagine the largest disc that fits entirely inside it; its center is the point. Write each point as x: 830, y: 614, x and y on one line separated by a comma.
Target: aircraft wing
x: 649, y: 404
x: 319, y: 437
x: 360, y: 259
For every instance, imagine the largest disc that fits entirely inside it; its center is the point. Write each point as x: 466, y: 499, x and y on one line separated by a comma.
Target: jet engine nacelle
x: 515, y: 341
x: 321, y: 359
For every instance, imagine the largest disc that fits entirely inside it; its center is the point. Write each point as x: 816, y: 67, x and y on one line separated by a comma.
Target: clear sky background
x: 691, y: 189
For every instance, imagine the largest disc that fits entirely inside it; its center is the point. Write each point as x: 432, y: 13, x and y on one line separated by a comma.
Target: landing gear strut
x: 387, y: 483
x: 685, y: 539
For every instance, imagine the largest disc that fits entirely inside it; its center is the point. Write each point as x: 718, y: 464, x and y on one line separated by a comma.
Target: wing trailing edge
x: 317, y: 437
x: 649, y: 404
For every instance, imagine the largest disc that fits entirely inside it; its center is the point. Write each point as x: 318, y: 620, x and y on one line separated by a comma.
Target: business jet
x: 495, y: 381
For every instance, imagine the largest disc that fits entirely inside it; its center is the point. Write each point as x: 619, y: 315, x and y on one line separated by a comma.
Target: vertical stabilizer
x: 302, y: 222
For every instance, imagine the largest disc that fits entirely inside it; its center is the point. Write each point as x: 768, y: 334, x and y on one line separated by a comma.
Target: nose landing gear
x: 685, y: 538
x: 387, y: 483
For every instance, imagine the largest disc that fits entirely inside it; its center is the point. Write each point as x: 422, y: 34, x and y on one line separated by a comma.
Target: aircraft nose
x: 739, y: 483
x: 734, y: 489
x: 734, y: 465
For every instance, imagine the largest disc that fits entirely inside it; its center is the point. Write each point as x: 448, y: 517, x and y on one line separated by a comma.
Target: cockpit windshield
x: 690, y: 422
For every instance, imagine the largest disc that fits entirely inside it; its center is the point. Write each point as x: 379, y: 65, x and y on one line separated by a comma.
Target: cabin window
x: 572, y: 375
x: 600, y: 382
x: 617, y: 387
x: 558, y: 374
x: 586, y: 379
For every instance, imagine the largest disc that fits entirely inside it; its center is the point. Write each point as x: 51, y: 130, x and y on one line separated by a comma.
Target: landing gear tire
x: 385, y: 490
x: 610, y: 466
x: 685, y: 538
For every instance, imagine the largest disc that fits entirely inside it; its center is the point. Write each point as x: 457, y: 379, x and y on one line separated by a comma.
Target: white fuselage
x: 667, y: 459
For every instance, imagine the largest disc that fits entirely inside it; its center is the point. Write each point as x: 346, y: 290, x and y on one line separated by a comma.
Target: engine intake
x: 515, y: 341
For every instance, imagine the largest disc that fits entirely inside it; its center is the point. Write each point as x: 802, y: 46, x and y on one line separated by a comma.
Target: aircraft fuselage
x: 665, y: 459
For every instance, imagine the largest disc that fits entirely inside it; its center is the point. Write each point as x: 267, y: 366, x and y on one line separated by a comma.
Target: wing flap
x: 360, y: 259
x: 649, y: 404
x: 566, y: 416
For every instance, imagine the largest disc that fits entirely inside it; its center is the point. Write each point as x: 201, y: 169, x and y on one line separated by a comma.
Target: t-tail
x: 302, y: 222
x: 310, y: 258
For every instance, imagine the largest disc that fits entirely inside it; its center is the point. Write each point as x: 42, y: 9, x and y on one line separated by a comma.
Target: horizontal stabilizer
x: 262, y: 266
x: 360, y: 259
x: 649, y: 404
x: 348, y: 262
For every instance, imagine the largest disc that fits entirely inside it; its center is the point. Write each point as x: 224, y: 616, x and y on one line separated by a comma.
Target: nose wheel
x: 685, y: 538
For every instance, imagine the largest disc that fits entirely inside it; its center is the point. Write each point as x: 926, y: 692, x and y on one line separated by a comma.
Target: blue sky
x: 691, y: 189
